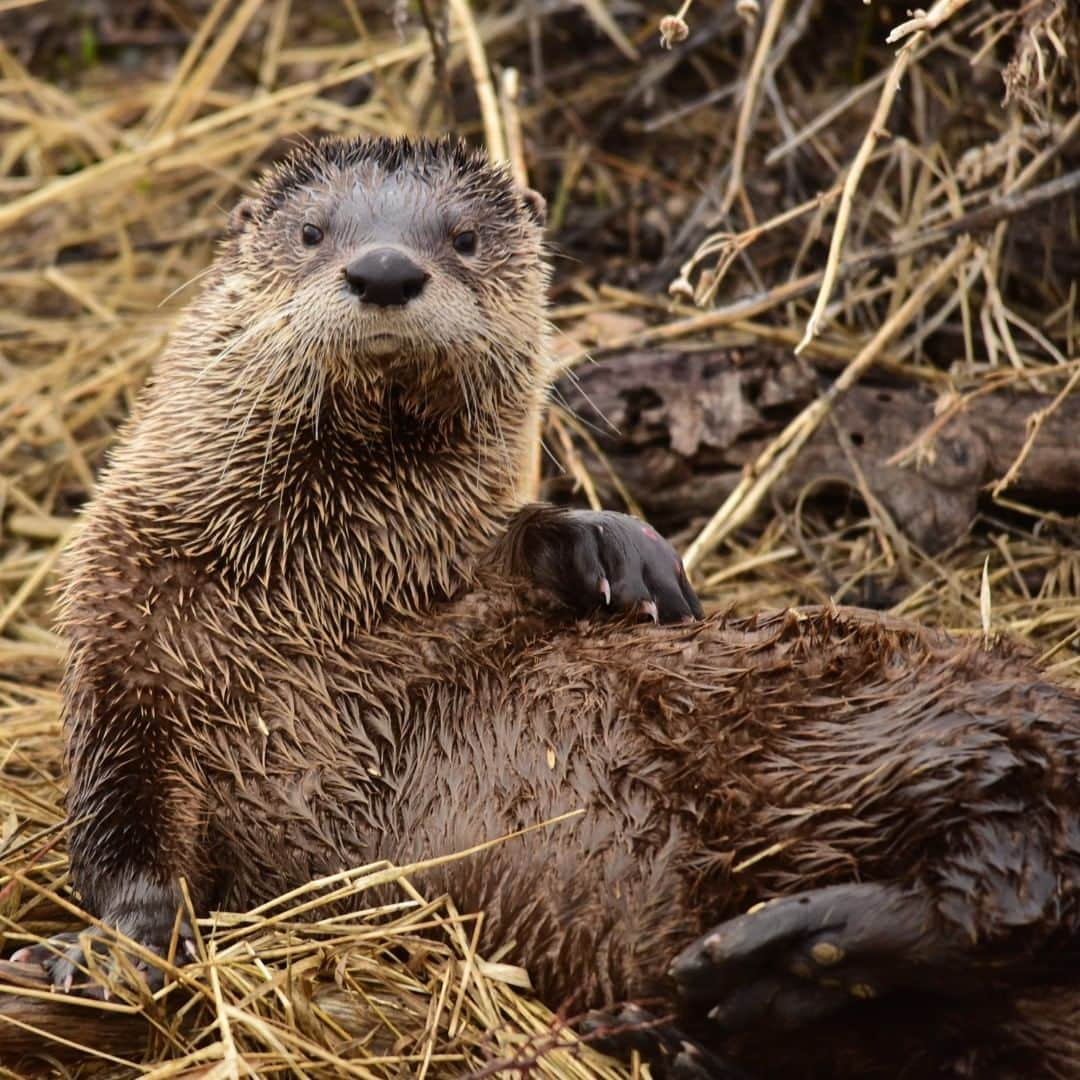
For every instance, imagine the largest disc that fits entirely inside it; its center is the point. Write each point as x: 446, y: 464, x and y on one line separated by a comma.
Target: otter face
x: 389, y: 258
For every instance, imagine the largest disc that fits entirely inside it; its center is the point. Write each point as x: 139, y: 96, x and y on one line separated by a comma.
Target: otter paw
x: 797, y: 959
x: 606, y: 561
x: 671, y: 1055
x: 86, y: 963
x: 50, y: 955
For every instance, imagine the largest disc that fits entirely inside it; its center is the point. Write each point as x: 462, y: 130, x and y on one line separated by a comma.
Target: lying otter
x: 310, y: 628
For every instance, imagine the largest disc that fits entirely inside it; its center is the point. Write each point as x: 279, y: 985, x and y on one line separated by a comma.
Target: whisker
x: 241, y: 339
x: 184, y: 284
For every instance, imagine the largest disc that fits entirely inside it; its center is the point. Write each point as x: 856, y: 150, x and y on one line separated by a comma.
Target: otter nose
x: 385, y: 277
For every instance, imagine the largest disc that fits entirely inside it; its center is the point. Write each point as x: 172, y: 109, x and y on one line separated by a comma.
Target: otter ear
x: 536, y: 205
x: 242, y: 213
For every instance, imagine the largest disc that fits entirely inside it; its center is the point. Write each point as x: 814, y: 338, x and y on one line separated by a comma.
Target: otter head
x: 370, y: 261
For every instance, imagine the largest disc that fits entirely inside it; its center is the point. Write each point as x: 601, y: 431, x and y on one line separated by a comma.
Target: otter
x: 331, y: 439
x: 312, y: 626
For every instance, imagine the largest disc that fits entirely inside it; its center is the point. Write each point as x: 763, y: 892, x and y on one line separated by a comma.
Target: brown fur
x: 289, y: 656
x: 278, y: 486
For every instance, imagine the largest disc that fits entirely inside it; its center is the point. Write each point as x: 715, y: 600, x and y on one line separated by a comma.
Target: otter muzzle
x: 386, y: 277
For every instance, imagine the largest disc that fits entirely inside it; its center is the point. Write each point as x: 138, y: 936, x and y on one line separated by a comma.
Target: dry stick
x: 746, y: 110
x: 1015, y: 202
x: 728, y: 246
x: 1034, y: 166
x: 986, y: 217
x: 481, y: 73
x: 826, y: 117
x: 30, y: 584
x: 764, y: 472
x: 268, y: 69
x: 574, y: 464
x: 927, y: 20
x: 597, y: 10
x: 1034, y: 425
x: 586, y: 436
x: 187, y: 64
x: 743, y: 308
x: 509, y: 86
x: 1010, y: 205
x: 438, y: 56
x: 230, y: 1058
x: 851, y: 183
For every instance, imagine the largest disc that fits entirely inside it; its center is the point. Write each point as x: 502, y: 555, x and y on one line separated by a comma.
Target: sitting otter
x: 311, y: 628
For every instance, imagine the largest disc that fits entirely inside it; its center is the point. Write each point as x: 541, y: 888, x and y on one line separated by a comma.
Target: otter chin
x: 382, y: 343
x: 312, y: 625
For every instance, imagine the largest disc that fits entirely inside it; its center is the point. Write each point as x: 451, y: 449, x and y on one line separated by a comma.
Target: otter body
x: 718, y: 765
x: 311, y: 627
x: 708, y: 784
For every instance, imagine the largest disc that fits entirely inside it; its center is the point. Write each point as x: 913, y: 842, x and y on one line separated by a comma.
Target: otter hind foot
x: 85, y: 963
x: 606, y: 561
x: 800, y: 958
x: 670, y: 1053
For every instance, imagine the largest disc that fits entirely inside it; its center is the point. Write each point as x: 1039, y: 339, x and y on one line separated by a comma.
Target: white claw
x: 189, y: 949
x: 605, y: 589
x: 68, y: 981
x: 648, y: 607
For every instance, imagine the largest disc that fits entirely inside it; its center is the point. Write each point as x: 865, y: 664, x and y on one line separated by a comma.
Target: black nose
x: 385, y: 277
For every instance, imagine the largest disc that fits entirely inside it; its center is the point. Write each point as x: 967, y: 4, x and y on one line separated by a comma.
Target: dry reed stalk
x: 851, y: 184
x: 753, y: 89
x: 481, y: 73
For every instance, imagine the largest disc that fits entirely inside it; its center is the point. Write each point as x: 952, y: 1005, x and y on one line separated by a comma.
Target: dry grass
x: 794, y: 180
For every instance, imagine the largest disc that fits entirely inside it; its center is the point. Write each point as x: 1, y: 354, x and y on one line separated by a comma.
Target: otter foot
x: 603, y: 560
x: 797, y: 959
x: 148, y: 919
x: 671, y: 1054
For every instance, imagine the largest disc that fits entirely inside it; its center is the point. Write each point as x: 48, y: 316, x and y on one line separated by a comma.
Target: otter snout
x: 386, y: 277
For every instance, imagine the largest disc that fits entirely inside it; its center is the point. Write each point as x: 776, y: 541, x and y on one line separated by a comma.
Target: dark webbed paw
x: 672, y: 1055
x: 603, y: 560
x: 147, y: 914
x: 797, y: 959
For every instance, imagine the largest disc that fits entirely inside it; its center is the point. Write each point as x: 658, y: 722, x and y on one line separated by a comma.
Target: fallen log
x: 38, y: 1024
x: 677, y: 428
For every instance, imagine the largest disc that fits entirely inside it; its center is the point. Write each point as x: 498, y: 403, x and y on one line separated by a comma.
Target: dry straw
x: 813, y: 196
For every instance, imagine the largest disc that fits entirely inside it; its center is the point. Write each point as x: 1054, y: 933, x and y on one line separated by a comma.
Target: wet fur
x: 297, y: 646
x: 270, y: 486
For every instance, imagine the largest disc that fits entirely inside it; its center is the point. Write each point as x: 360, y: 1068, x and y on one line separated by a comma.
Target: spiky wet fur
x: 284, y: 661
x: 277, y: 481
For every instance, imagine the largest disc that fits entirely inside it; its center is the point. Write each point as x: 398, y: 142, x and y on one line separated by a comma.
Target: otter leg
x: 670, y: 1053
x: 136, y: 827
x: 795, y: 960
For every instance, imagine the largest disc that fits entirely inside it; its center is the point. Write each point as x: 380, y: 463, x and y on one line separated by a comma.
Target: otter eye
x: 465, y: 242
x: 311, y: 235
